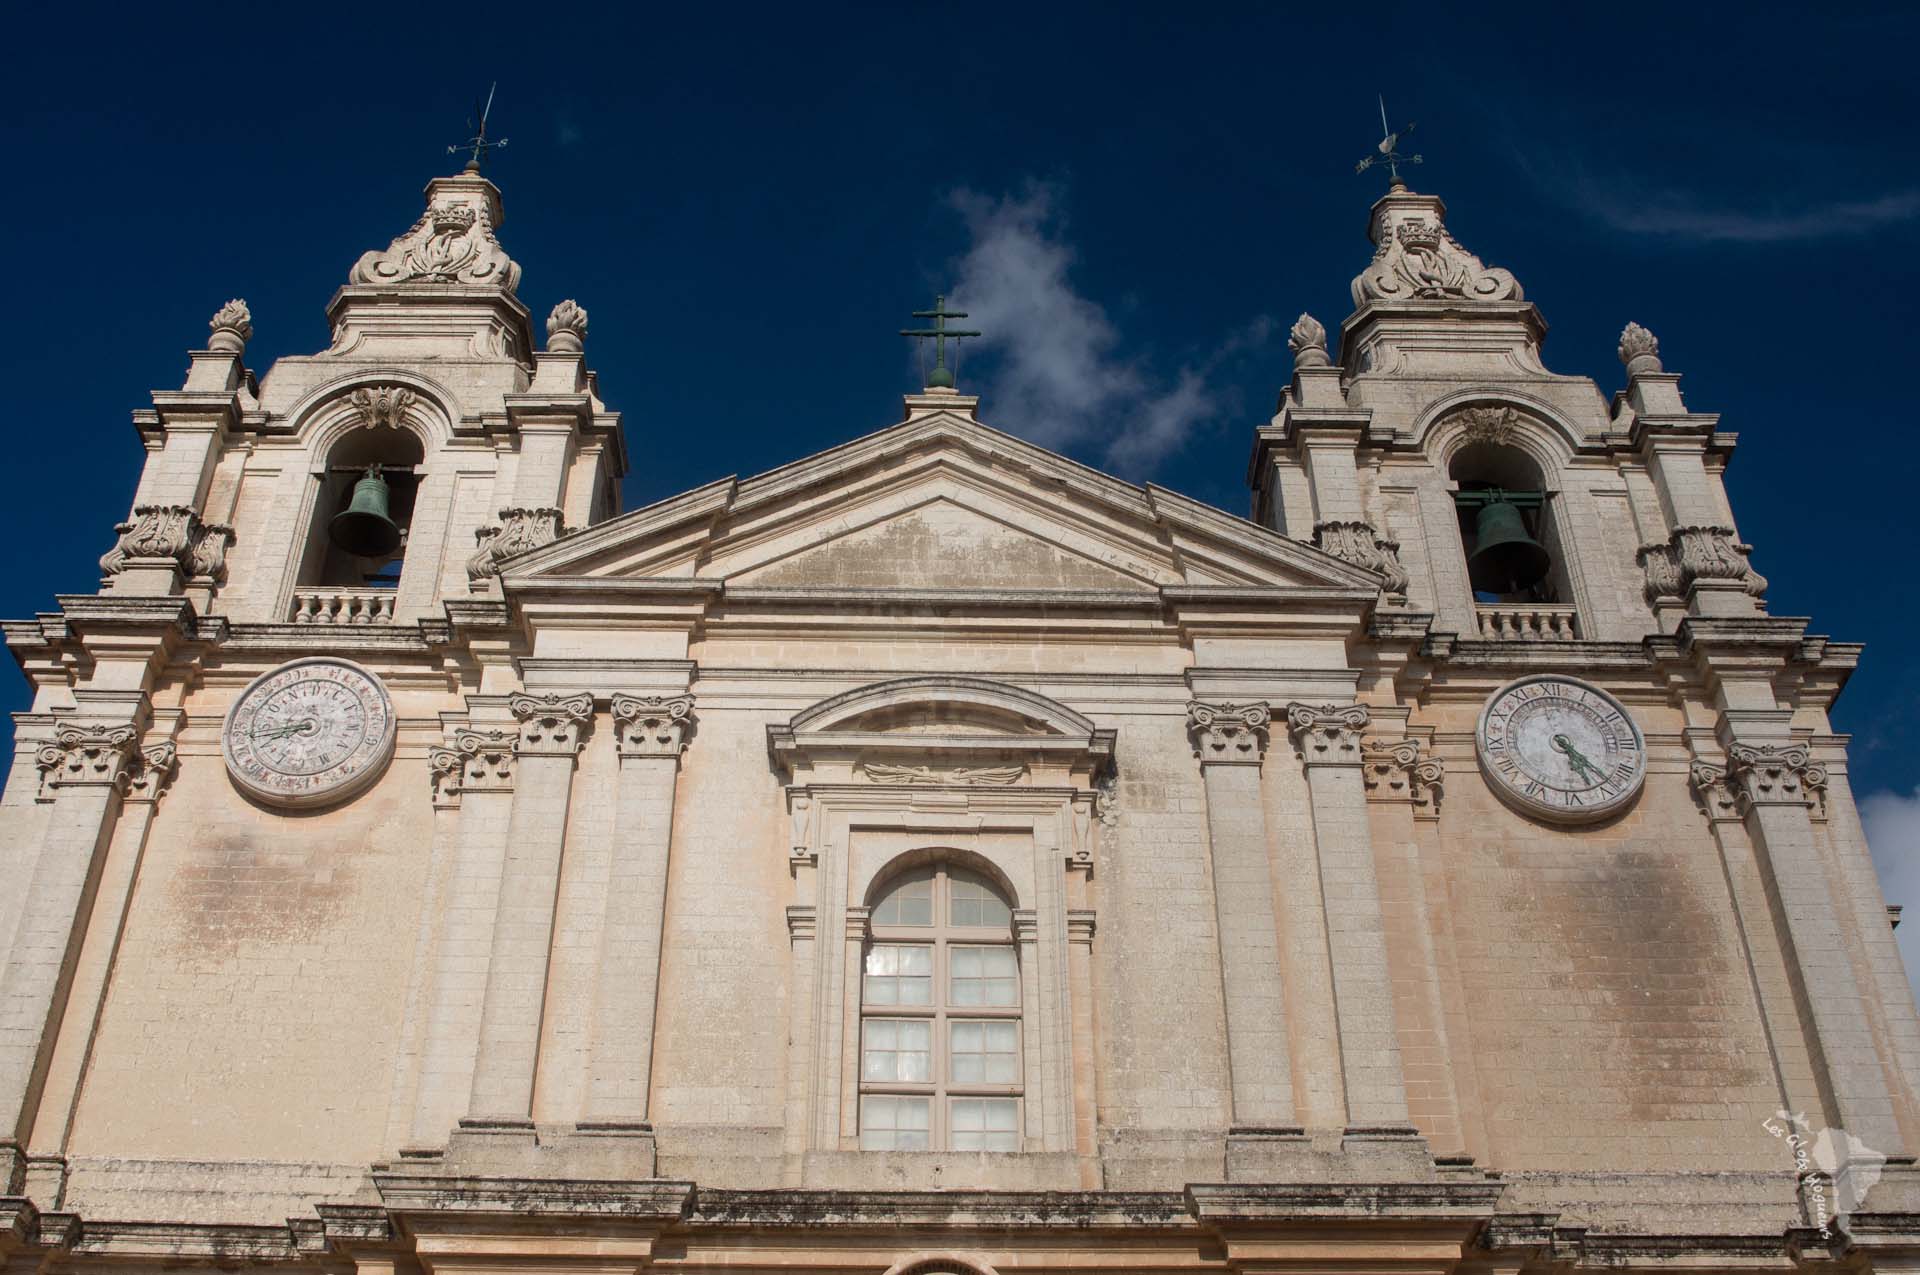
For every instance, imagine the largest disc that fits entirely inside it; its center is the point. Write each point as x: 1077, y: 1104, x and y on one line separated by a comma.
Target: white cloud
x: 1678, y: 215
x: 1893, y: 832
x: 1057, y: 373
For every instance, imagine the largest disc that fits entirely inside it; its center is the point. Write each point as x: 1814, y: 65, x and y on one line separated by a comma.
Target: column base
x: 616, y: 1151
x: 44, y: 1181
x: 1358, y: 1153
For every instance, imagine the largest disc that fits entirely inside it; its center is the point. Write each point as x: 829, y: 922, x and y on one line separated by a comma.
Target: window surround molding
x: 962, y: 768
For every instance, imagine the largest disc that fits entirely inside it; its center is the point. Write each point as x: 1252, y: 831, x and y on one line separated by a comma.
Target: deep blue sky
x: 749, y: 200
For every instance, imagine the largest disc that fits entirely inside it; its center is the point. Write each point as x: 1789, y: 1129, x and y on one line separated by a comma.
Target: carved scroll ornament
x: 1360, y: 544
x: 1230, y: 733
x: 171, y: 531
x: 969, y: 776
x: 517, y: 531
x: 1418, y: 259
x: 652, y: 725
x: 453, y: 242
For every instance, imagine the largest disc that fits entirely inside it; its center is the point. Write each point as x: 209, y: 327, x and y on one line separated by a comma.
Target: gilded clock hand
x: 304, y: 727
x: 1577, y: 760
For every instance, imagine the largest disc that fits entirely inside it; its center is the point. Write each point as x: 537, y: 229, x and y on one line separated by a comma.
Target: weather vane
x: 1388, y: 152
x: 478, y: 143
x: 940, y: 333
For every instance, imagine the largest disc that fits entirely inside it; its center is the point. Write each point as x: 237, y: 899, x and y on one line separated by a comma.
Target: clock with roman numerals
x: 1560, y: 750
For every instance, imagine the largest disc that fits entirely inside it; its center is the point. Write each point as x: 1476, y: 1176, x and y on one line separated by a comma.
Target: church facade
x: 934, y: 854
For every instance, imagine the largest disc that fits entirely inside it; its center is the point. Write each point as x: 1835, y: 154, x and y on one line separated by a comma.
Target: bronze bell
x: 364, y: 528
x: 1505, y: 558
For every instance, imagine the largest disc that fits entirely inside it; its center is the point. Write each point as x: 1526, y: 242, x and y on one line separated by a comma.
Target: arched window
x: 940, y: 1016
x: 330, y: 559
x: 1513, y: 551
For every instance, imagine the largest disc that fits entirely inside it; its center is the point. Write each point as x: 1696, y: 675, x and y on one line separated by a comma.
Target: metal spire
x: 478, y: 143
x: 940, y: 378
x: 1388, y: 152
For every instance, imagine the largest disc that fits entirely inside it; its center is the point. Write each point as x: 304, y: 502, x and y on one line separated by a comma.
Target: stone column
x: 551, y: 732
x: 85, y: 768
x: 1231, y: 740
x: 651, y: 733
x: 1328, y: 737
x: 473, y: 781
x: 1769, y: 783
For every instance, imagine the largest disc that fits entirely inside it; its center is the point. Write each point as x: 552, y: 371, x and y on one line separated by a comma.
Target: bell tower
x: 399, y: 468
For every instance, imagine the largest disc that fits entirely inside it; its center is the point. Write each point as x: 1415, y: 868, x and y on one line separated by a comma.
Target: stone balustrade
x: 343, y: 606
x: 1526, y: 622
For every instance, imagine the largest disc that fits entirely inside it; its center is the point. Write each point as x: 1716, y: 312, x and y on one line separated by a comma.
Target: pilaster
x: 552, y: 729
x: 1230, y: 740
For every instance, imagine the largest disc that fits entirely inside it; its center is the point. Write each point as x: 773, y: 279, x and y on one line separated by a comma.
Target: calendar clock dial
x: 308, y: 733
x: 1561, y: 750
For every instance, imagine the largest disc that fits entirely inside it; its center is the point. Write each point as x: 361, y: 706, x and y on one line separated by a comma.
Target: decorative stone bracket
x: 1328, y: 734
x: 382, y: 405
x: 174, y: 532
x: 553, y: 724
x: 1360, y: 544
x: 652, y: 725
x: 1697, y: 553
x: 1229, y: 734
x: 82, y: 757
x: 517, y: 531
x: 1403, y: 770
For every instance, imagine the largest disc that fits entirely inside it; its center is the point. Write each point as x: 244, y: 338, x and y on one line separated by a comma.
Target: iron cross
x: 478, y: 143
x: 1388, y: 151
x: 940, y: 333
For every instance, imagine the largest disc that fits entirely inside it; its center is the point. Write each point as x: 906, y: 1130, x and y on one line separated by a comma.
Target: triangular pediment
x: 939, y: 502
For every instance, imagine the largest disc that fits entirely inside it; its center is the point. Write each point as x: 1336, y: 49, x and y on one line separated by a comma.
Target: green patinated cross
x: 940, y: 333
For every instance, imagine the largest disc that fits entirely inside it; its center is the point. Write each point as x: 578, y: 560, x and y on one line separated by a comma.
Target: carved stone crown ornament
x: 1328, y: 734
x: 1308, y: 341
x: 171, y: 531
x: 652, y: 725
x: 1402, y: 770
x: 1491, y: 425
x: 452, y: 243
x: 1639, y: 350
x: 382, y: 405
x: 1416, y: 259
x: 232, y: 326
x: 567, y: 327
x: 1360, y: 544
x: 517, y: 531
x: 1229, y: 733
x: 1697, y: 553
x: 84, y: 756
x: 551, y: 724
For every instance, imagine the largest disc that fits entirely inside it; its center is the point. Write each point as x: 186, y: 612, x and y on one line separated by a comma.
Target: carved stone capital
x: 1229, y: 734
x: 1713, y: 553
x: 444, y: 767
x: 552, y: 724
x: 1767, y: 775
x: 486, y: 761
x: 1360, y: 544
x: 652, y: 725
x: 1661, y: 568
x: 151, y: 770
x: 171, y: 531
x: 1328, y: 734
x: 1403, y: 770
x: 87, y: 757
x: 517, y: 531
x: 1711, y: 789
x: 382, y: 406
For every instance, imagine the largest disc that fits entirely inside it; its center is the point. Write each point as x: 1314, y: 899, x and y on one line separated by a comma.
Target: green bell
x: 1505, y: 558
x: 364, y: 528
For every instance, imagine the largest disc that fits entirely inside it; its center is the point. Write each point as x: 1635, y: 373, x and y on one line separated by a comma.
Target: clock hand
x: 1576, y: 760
x: 304, y: 727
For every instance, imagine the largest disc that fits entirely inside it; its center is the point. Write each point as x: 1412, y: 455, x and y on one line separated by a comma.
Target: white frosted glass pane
x: 999, y: 1037
x: 997, y: 961
x: 967, y: 1037
x: 999, y: 991
x: 966, y: 992
x: 881, y: 1034
x: 908, y: 902
x: 877, y: 1066
x: 968, y: 1069
x: 915, y: 960
x: 1000, y: 1113
x: 966, y: 962
x: 1002, y: 1069
x: 916, y: 991
x: 915, y: 1035
x: 913, y: 1113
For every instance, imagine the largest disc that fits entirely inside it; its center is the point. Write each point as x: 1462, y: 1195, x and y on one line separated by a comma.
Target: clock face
x: 1560, y: 749
x: 310, y: 732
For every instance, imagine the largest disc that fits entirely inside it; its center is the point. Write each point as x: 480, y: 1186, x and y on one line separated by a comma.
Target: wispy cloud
x: 1893, y: 832
x: 1058, y: 373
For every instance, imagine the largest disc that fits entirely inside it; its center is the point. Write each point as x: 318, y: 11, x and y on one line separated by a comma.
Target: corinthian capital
x: 551, y: 724
x: 1402, y: 770
x: 87, y: 757
x: 1328, y: 734
x: 1231, y: 734
x: 652, y: 725
x: 1765, y: 775
x: 150, y: 771
x: 486, y: 764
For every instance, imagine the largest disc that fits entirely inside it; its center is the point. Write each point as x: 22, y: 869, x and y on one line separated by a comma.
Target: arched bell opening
x: 1507, y: 528
x: 364, y: 510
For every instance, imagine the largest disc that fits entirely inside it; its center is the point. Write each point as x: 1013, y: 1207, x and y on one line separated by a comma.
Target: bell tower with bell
x: 393, y: 472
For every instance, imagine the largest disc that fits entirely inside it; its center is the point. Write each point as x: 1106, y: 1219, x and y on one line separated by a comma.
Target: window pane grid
x: 940, y: 1057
